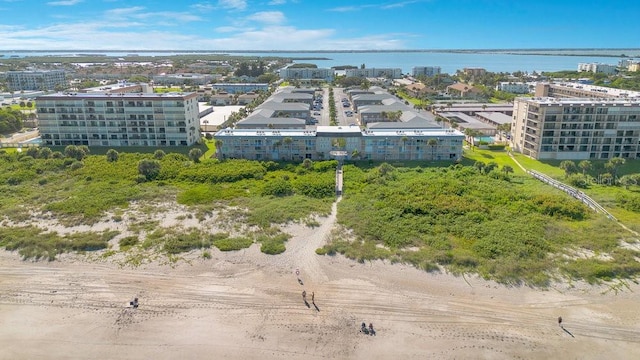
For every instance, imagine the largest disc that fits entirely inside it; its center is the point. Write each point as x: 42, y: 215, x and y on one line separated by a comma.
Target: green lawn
x: 211, y: 149
x: 167, y: 90
x: 607, y: 196
x: 500, y: 157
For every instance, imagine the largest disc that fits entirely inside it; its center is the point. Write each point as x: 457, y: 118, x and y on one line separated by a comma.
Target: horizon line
x: 309, y: 50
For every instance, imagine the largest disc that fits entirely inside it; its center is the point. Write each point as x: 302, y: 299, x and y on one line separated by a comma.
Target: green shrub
x: 496, y: 147
x: 277, y: 187
x: 128, y: 242
x: 179, y: 242
x: 629, y: 201
x: 272, y: 247
x: 232, y: 244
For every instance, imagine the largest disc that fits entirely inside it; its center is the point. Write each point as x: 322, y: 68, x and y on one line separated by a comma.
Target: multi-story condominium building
x: 317, y: 144
x: 183, y: 79
x: 634, y: 66
x: 474, y: 71
x: 575, y: 90
x: 425, y: 70
x: 393, y: 73
x: 118, y: 119
x: 35, y: 80
x: 576, y: 129
x: 240, y: 88
x: 513, y: 87
x: 597, y: 68
x: 307, y: 74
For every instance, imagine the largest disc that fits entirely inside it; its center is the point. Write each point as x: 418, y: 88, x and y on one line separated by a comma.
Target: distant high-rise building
x: 307, y: 74
x: 597, y: 68
x: 35, y: 80
x: 393, y: 73
x: 474, y: 71
x: 513, y: 87
x: 425, y: 70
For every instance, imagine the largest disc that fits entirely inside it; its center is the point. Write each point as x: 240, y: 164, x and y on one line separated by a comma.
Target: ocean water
x: 448, y: 62
x: 506, y: 61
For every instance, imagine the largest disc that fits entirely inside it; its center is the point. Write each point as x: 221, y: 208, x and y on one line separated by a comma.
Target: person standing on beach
x: 560, y: 321
x: 313, y: 297
x: 304, y: 295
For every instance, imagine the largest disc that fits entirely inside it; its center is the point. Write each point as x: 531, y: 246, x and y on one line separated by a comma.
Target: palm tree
x: 614, y: 164
x: 218, y: 143
x: 433, y: 143
x: 404, y: 140
x: 568, y: 166
x: 507, y: 169
x: 289, y: 141
x: 585, y: 165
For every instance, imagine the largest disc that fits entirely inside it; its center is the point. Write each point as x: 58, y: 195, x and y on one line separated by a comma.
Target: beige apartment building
x: 105, y: 119
x: 576, y: 128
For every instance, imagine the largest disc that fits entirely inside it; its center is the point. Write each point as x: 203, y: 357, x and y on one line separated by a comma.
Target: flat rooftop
x: 68, y: 96
x: 496, y: 117
x: 468, y: 122
x: 550, y: 101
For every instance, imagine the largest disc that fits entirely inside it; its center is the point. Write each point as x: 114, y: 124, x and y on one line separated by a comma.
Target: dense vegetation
x: 75, y: 187
x: 467, y: 220
x: 10, y: 120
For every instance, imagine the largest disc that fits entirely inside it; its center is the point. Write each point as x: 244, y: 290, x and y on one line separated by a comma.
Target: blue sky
x: 317, y: 24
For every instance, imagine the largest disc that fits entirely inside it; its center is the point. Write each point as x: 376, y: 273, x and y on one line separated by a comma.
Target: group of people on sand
x: 367, y: 331
x: 304, y: 292
x: 313, y: 296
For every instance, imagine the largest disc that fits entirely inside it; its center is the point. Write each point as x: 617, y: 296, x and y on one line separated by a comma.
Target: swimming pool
x: 488, y: 139
x: 36, y: 140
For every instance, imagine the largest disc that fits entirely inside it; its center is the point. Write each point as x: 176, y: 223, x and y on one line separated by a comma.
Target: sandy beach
x: 248, y: 305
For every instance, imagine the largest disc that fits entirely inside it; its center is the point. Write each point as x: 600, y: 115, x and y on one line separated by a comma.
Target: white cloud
x: 124, y: 11
x: 228, y: 29
x: 233, y: 4
x: 175, y: 16
x: 64, y: 2
x: 399, y: 4
x: 203, y: 6
x: 277, y: 2
x: 136, y: 12
x: 129, y: 28
x: 268, y: 17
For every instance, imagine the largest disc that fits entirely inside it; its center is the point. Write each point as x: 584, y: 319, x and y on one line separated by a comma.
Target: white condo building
x: 35, y: 80
x: 597, y: 68
x: 393, y: 73
x: 307, y: 74
x: 513, y: 87
x: 124, y: 119
x: 425, y: 70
